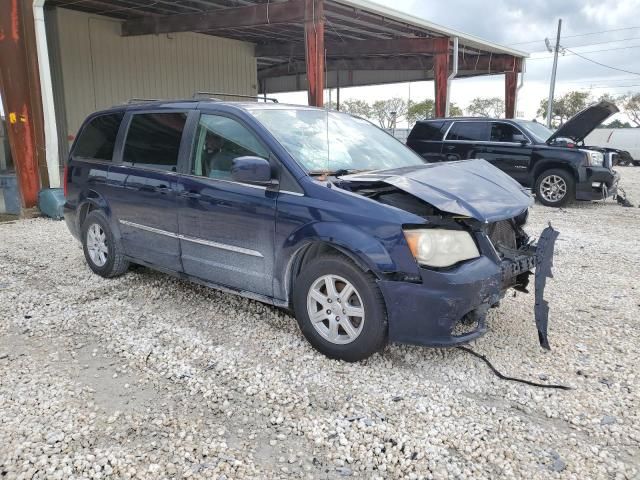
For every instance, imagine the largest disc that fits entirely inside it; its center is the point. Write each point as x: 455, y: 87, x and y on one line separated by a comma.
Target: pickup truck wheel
x: 102, y: 249
x: 555, y: 188
x: 340, y: 309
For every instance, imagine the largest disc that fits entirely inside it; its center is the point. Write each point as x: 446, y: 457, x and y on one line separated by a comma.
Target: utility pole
x: 552, y: 86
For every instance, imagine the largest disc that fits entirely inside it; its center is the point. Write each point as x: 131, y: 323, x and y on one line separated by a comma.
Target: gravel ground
x: 146, y: 376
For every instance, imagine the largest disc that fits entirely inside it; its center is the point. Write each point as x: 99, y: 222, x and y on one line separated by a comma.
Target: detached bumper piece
x: 517, y: 266
x: 544, y: 264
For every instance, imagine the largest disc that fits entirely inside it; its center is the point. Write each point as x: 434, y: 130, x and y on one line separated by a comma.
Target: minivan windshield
x: 539, y: 132
x: 327, y: 142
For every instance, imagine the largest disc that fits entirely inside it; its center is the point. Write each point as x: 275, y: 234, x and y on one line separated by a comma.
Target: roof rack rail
x: 213, y: 96
x: 142, y: 100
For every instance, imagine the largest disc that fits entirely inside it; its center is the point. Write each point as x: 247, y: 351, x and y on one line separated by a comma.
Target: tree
x: 427, y: 109
x: 617, y: 124
x: 358, y: 108
x: 455, y: 110
x: 420, y: 110
x: 388, y: 112
x: 486, y: 107
x: 330, y: 105
x: 565, y: 107
x: 632, y: 108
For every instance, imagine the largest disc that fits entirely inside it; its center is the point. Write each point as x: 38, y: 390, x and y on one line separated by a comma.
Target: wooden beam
x: 354, y: 48
x: 261, y: 14
x: 315, y: 53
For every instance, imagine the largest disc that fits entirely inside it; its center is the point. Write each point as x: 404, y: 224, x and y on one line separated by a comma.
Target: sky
x: 606, y: 31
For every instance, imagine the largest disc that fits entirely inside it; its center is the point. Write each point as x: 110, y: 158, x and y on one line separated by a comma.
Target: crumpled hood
x: 471, y: 188
x: 584, y: 122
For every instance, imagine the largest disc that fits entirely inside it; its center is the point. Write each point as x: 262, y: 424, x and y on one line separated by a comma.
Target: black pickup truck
x: 557, y: 166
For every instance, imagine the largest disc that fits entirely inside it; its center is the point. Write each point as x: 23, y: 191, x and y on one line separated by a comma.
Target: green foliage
x: 420, y: 110
x: 617, y: 124
x: 631, y: 106
x: 358, y: 108
x: 565, y: 107
x: 389, y: 112
x: 486, y: 107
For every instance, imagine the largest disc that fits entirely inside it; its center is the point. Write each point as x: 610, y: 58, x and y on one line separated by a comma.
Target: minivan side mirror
x: 251, y: 169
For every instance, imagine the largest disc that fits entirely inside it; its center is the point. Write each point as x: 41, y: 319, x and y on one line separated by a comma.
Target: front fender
x: 380, y: 257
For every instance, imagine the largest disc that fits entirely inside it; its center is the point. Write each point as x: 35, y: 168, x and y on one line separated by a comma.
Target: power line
x: 582, y: 34
x: 603, y: 65
x: 589, y: 51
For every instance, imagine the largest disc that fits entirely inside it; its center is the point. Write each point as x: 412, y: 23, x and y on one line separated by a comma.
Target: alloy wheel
x: 553, y: 188
x: 97, y: 245
x: 335, y: 309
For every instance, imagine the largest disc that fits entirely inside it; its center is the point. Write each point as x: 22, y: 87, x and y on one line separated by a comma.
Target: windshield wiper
x: 336, y: 173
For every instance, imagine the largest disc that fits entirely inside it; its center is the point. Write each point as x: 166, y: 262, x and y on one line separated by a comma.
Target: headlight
x: 435, y: 247
x: 594, y: 159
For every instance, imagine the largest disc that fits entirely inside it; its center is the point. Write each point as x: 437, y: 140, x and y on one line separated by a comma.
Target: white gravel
x: 150, y: 377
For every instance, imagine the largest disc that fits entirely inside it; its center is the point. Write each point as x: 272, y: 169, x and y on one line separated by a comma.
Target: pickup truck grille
x: 502, y: 233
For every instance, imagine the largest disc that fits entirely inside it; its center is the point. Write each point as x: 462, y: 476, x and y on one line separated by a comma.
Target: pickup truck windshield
x: 327, y: 142
x: 539, y: 132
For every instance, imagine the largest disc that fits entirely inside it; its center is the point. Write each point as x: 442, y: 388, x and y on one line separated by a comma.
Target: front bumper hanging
x: 544, y: 264
x: 517, y: 266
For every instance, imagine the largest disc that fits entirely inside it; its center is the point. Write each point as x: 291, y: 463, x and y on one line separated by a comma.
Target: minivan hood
x: 584, y: 122
x: 471, y: 188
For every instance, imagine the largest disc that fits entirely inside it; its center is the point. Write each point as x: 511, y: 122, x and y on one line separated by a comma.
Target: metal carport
x: 299, y: 45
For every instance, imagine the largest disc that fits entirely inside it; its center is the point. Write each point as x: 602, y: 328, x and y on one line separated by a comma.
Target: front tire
x: 340, y: 309
x: 102, y: 249
x: 555, y: 188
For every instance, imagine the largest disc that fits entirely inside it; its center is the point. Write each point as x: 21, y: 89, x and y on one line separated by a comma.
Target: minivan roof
x: 199, y: 103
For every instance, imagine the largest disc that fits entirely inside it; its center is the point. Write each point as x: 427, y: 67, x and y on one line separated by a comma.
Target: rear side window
x: 471, y: 131
x: 153, y: 140
x: 98, y: 138
x: 427, y: 131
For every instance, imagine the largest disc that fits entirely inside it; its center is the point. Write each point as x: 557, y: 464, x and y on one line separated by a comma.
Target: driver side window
x: 503, y: 132
x: 218, y: 141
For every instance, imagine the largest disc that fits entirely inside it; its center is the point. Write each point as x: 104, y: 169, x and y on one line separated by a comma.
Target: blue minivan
x: 311, y: 210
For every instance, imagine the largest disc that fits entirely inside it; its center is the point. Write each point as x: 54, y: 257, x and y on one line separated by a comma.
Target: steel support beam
x: 440, y: 76
x: 262, y: 14
x: 20, y: 90
x: 511, y: 90
x: 467, y: 65
x: 315, y: 53
x: 354, y: 48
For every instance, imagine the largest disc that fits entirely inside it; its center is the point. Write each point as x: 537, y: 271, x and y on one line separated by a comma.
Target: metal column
x: 20, y: 89
x: 441, y: 75
x: 315, y: 54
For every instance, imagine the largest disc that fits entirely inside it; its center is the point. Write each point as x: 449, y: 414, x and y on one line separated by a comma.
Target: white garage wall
x: 94, y: 67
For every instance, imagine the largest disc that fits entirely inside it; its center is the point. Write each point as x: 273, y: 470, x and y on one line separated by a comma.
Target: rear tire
x: 102, y: 249
x: 349, y: 318
x: 555, y: 188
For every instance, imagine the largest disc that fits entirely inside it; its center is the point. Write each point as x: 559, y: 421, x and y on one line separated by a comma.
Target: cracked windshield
x: 326, y: 142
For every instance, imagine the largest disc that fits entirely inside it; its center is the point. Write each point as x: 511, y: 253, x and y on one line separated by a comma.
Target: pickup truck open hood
x: 584, y: 122
x: 471, y: 188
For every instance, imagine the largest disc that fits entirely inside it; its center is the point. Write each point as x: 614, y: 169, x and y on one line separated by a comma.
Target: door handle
x: 450, y: 147
x: 194, y: 195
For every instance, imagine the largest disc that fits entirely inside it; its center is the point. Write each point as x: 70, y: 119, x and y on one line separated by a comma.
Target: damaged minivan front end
x: 470, y: 247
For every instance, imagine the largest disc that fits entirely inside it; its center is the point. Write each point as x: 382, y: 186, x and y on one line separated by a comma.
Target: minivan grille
x: 502, y: 234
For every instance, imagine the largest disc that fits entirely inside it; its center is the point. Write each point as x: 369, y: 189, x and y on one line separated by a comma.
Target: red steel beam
x: 270, y: 13
x: 440, y: 74
x: 315, y: 53
x: 468, y: 66
x: 20, y: 90
x: 511, y: 90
